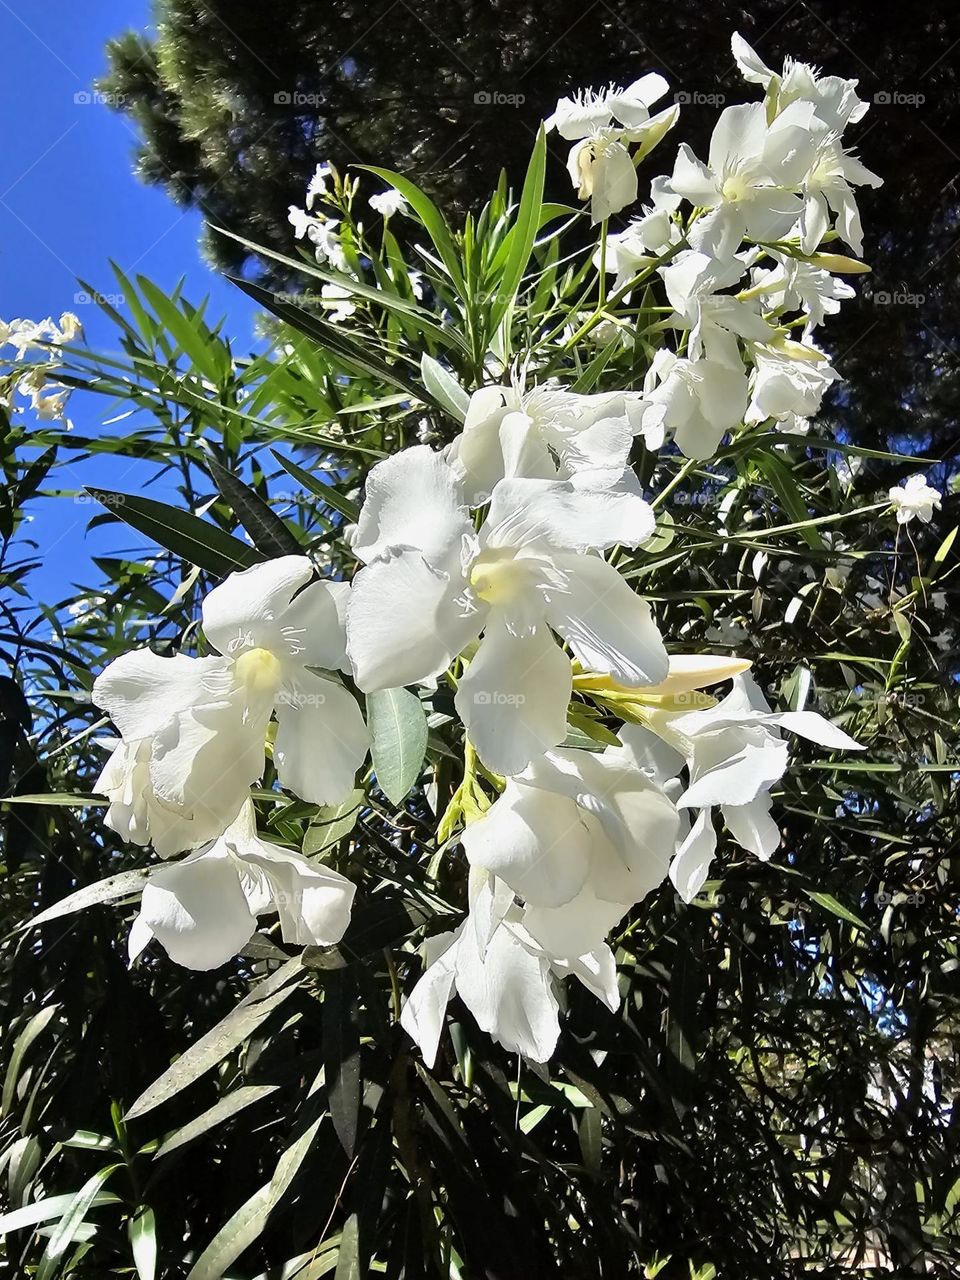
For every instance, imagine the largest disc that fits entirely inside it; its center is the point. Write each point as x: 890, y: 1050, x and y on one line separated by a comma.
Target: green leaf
x: 44, y: 1210
x: 320, y: 489
x: 235, y: 1101
x: 34, y: 1028
x: 239, y: 1024
x: 70, y: 1223
x: 348, y: 1257
x: 523, y: 233
x: 784, y: 484
x: 444, y: 388
x: 248, y: 1222
x: 187, y: 333
x: 142, y: 1231
x: 197, y: 541
x: 267, y: 531
x: 432, y: 219
x: 123, y: 884
x: 332, y: 823
x: 341, y: 1055
x: 830, y: 903
x: 398, y: 733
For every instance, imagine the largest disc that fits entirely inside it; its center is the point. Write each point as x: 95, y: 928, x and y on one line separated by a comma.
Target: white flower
x: 789, y: 380
x: 735, y: 753
x: 915, y: 498
x: 317, y: 186
x: 793, y: 285
x: 344, y: 306
x: 323, y: 234
x: 387, y: 203
x: 751, y: 182
x: 601, y: 125
x: 542, y: 433
x: 300, y: 220
x: 193, y: 729
x: 432, y: 584
x: 35, y: 335
x: 828, y: 185
x: 834, y: 99
x: 581, y: 836
x: 646, y: 238
x: 503, y: 976
x: 697, y: 401
x: 715, y: 320
x: 204, y: 909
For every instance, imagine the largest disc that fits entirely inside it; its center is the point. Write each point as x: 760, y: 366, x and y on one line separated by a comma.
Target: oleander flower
x: 204, y: 908
x: 915, y: 498
x: 503, y: 975
x: 432, y: 583
x: 193, y: 729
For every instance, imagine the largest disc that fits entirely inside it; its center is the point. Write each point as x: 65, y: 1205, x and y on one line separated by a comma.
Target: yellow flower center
x: 497, y: 577
x: 258, y: 670
x: 735, y: 189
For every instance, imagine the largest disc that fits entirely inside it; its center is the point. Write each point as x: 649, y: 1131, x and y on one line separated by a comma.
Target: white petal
x: 404, y: 622
x: 752, y: 827
x: 607, y: 625
x: 645, y: 751
x: 578, y: 926
x: 244, y: 612
x: 579, y: 514
x: 732, y: 766
x: 513, y: 697
x: 693, y: 180
x: 197, y: 911
x: 597, y: 970
x: 423, y: 1013
x: 313, y: 627
x: 141, y: 691
x: 321, y: 739
x: 538, y: 842
x: 691, y: 866
x: 510, y: 993
x: 313, y: 902
x: 816, y: 728
x: 614, y: 181
x: 413, y: 500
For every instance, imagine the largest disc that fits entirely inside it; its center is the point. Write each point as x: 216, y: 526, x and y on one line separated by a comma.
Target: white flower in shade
x: 789, y: 380
x: 834, y: 99
x: 300, y: 220
x: 342, y: 299
x: 580, y: 836
x: 193, y: 729
x: 504, y: 977
x: 646, y: 238
x: 915, y: 498
x: 317, y: 186
x: 387, y: 203
x: 542, y: 433
x: 734, y: 752
x: 602, y: 126
x: 751, y: 182
x: 695, y: 401
x: 431, y: 585
x: 204, y: 909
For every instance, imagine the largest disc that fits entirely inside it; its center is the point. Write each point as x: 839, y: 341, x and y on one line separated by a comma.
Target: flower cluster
x: 489, y: 565
x: 48, y: 398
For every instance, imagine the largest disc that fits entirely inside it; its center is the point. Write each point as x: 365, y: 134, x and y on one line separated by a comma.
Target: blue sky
x: 69, y: 201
